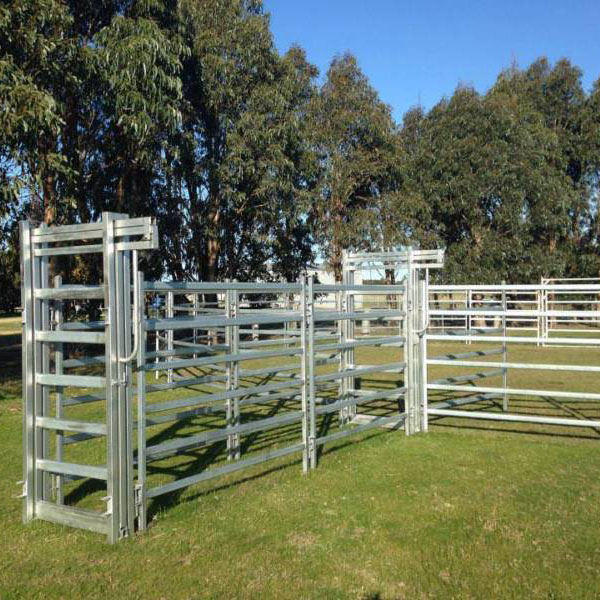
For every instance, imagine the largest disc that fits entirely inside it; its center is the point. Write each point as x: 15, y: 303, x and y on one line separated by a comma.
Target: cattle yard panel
x: 196, y: 380
x: 175, y: 383
x: 575, y: 308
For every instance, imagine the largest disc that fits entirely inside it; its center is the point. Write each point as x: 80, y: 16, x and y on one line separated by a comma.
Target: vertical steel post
x: 350, y: 335
x: 112, y: 380
x: 195, y: 313
x: 312, y: 417
x: 424, y: 305
x: 157, y: 336
x: 117, y: 305
x: 409, y: 380
x: 141, y: 407
x: 468, y: 319
x: 28, y: 372
x: 44, y: 349
x: 232, y: 370
x: 504, y: 348
x: 342, y: 307
x: 126, y: 375
x: 304, y: 368
x: 235, y: 339
x: 169, y: 333
x: 59, y: 396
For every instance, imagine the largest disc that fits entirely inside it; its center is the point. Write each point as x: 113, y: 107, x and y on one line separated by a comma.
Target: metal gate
x: 54, y: 388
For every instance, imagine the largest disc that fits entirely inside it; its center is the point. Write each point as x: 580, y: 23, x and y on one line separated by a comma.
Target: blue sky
x: 416, y: 52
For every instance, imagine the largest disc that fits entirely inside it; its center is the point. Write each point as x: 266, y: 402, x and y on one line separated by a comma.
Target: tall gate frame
x: 45, y: 335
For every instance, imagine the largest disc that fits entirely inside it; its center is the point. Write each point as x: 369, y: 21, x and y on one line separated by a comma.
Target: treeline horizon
x: 185, y: 110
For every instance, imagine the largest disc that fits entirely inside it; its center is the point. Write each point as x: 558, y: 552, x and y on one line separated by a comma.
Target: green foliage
x: 506, y: 178
x: 185, y: 110
x: 352, y: 132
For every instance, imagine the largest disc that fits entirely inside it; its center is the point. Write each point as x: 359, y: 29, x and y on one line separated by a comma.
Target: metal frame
x: 257, y: 371
x: 199, y: 346
x: 47, y: 369
x: 512, y: 317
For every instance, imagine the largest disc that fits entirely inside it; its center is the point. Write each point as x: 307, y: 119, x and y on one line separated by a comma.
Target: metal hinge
x: 23, y: 493
x: 109, y: 505
x: 138, y: 496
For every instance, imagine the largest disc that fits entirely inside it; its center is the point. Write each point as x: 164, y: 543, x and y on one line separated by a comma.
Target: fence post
x: 409, y: 374
x: 312, y: 417
x: 28, y: 370
x: 112, y: 381
x: 304, y: 376
x: 59, y: 395
x: 140, y: 499
x: 232, y: 343
x: 169, y: 333
x: 424, y: 303
x: 195, y: 316
x: 504, y: 348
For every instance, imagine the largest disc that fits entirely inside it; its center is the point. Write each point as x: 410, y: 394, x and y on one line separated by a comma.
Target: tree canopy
x: 184, y: 109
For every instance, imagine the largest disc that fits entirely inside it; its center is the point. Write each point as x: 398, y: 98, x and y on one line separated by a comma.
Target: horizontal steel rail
x: 515, y: 365
x: 64, y: 468
x: 516, y: 391
x: 178, y: 323
x: 567, y: 341
x: 84, y: 381
x: 207, y: 287
x: 464, y: 400
x: 397, y: 419
x: 223, y: 358
x: 514, y: 418
x: 74, y: 292
x: 224, y: 470
x: 509, y: 288
x: 355, y: 343
x: 201, y: 439
x: 470, y: 377
x: 72, y: 516
x: 357, y: 372
x: 215, y: 397
x: 360, y: 400
x: 71, y: 337
x: 462, y: 355
x: 68, y: 425
x: 69, y: 250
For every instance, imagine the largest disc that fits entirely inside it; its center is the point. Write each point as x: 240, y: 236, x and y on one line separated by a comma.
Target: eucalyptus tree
x: 483, y: 165
x: 557, y: 95
x: 353, y: 136
x: 241, y: 162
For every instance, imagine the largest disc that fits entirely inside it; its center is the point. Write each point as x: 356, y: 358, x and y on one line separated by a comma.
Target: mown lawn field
x: 469, y: 510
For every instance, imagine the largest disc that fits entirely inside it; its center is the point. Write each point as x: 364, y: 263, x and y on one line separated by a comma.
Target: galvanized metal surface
x: 304, y: 390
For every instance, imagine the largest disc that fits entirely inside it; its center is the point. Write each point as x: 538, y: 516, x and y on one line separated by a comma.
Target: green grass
x: 469, y: 510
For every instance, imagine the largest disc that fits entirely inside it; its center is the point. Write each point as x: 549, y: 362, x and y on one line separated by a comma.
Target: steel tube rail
x: 514, y: 365
x: 214, y: 397
x: 397, y: 419
x: 223, y: 358
x: 223, y: 433
x: 514, y: 288
x: 567, y: 341
x: 224, y: 470
x: 514, y: 418
x: 515, y: 391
